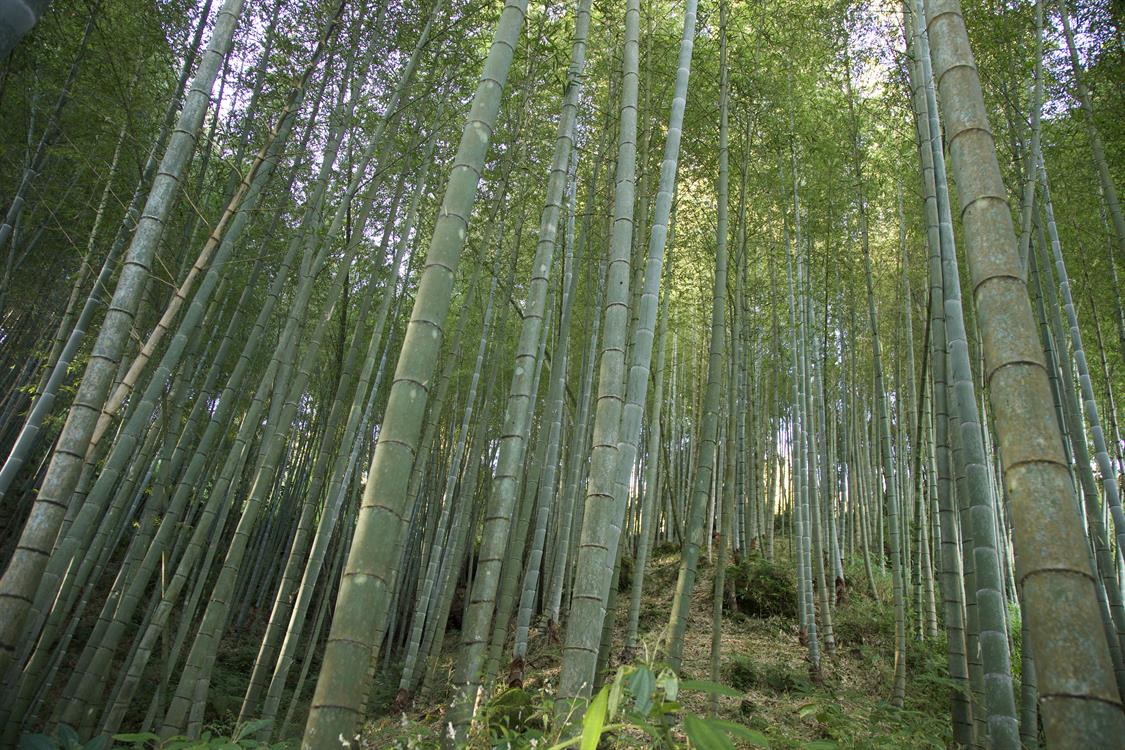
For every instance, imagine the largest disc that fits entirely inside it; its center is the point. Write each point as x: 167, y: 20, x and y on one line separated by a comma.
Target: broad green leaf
x: 806, y: 709
x: 68, y: 738
x: 99, y: 742
x: 615, y: 692
x: 705, y: 736
x: 706, y: 686
x: 641, y: 685
x: 594, y: 720
x: 250, y: 728
x: 669, y: 684
x: 38, y: 742
x: 136, y: 738
x: 177, y: 743
x: 743, y: 733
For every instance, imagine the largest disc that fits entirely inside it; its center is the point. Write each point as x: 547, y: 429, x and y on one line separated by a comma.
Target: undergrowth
x: 772, y: 700
x: 763, y: 588
x: 771, y: 693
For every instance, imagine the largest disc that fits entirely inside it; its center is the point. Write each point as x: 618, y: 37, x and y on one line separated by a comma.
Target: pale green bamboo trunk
x: 597, y: 544
x: 694, y: 529
x: 367, y: 585
x: 17, y: 587
x: 483, y: 601
x: 1080, y: 705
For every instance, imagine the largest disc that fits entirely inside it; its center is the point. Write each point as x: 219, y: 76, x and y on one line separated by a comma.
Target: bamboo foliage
x: 241, y: 490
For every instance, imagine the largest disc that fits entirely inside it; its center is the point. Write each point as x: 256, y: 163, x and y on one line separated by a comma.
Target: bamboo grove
x: 398, y: 337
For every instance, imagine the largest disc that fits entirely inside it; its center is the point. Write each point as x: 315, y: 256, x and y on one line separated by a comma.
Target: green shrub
x: 863, y: 622
x: 512, y: 710
x: 745, y: 673
x: 855, y: 573
x: 763, y: 589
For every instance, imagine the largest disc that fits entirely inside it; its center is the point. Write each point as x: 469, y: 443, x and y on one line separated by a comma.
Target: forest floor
x: 762, y: 659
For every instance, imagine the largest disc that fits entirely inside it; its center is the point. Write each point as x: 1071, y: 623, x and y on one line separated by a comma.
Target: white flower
x: 449, y: 731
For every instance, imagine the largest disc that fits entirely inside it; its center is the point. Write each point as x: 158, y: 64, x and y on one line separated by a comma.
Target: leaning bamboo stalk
x: 1078, y: 695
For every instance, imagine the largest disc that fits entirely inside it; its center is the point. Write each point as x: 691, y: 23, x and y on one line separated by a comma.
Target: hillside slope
x: 762, y: 659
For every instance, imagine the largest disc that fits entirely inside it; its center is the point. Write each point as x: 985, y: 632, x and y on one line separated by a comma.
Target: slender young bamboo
x: 707, y: 467
x: 937, y: 233
x: 648, y: 300
x: 726, y: 493
x: 579, y: 445
x: 554, y: 417
x: 597, y: 547
x: 519, y: 410
x: 889, y: 496
x: 653, y: 476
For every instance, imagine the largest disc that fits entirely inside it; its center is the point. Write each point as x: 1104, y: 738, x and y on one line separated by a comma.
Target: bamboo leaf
x: 250, y: 728
x: 37, y: 742
x: 594, y: 720
x: 641, y: 685
x: 615, y: 692
x: 743, y: 733
x: 669, y: 684
x: 703, y: 735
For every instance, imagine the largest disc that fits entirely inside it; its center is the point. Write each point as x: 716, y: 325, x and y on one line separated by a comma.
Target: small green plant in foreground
x: 64, y: 738
x: 646, y: 698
